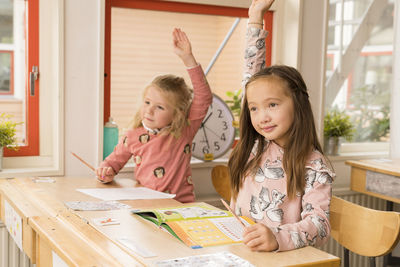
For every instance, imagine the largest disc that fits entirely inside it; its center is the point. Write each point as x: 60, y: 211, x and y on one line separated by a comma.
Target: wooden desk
x: 379, y: 178
x: 58, y: 229
x: 46, y: 200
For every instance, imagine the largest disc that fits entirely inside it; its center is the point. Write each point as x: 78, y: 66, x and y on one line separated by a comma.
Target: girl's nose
x: 265, y: 117
x: 150, y: 109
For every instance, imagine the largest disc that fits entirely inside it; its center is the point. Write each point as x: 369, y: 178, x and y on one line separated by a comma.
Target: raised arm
x: 255, y: 39
x: 183, y: 48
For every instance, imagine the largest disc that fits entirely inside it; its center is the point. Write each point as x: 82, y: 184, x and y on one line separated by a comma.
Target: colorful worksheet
x: 198, y: 225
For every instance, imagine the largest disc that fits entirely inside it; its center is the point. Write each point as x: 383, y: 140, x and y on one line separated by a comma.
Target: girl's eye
x: 147, y: 102
x: 252, y: 109
x: 160, y: 107
x: 273, y: 105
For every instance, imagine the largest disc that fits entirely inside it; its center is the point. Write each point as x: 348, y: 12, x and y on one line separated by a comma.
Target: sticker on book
x: 216, y: 259
x: 103, y: 221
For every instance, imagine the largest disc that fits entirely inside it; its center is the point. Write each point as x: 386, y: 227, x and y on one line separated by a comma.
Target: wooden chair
x: 221, y: 181
x: 364, y: 231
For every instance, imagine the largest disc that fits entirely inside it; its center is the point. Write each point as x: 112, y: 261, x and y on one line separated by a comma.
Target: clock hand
x: 212, y: 131
x: 205, y: 135
x: 206, y: 119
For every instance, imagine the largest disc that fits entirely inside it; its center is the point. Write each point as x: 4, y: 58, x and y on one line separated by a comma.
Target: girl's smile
x: 271, y: 108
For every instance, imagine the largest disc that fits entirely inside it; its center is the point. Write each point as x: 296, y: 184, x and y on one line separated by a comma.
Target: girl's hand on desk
x: 259, y: 237
x: 105, y: 175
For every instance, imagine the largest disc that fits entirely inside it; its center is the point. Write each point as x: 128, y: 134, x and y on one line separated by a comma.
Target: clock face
x: 216, y: 133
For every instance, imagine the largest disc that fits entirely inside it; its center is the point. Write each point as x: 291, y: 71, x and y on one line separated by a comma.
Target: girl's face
x: 271, y: 108
x: 155, y: 111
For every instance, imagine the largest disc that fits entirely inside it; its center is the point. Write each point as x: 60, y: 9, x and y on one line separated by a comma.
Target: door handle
x: 33, y: 76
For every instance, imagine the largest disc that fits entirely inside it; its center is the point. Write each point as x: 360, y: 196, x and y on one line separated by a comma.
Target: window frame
x: 172, y: 7
x: 31, y: 147
x: 355, y: 148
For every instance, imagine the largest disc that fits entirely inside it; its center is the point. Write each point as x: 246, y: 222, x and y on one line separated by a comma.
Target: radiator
x: 334, y: 248
x: 10, y: 254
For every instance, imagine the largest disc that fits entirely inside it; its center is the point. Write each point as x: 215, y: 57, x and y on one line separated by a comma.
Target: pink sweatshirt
x: 298, y: 222
x: 162, y: 161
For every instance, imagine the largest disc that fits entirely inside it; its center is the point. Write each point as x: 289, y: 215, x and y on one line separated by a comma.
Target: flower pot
x: 331, y: 145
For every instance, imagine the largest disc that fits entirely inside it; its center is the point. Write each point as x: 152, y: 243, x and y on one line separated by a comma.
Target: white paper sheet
x: 125, y: 193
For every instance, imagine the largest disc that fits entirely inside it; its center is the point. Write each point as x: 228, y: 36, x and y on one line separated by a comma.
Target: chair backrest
x: 364, y: 231
x: 221, y: 181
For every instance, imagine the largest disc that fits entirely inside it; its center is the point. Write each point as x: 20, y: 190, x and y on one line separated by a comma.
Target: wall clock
x: 216, y: 133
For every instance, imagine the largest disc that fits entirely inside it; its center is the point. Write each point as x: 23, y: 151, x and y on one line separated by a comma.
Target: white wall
x: 84, y: 70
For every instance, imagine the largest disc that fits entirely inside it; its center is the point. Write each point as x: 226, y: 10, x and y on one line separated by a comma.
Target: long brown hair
x: 178, y: 95
x: 302, y: 135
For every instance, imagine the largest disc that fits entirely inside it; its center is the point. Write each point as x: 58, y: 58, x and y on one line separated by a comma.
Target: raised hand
x: 183, y: 48
x: 257, y: 10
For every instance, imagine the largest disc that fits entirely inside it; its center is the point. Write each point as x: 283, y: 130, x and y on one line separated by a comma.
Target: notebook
x: 197, y: 225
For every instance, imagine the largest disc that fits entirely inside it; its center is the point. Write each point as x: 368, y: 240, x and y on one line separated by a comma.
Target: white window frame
x: 380, y: 149
x: 51, y: 52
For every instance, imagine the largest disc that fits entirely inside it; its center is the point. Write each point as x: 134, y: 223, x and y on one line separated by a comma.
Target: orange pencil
x: 229, y: 208
x: 84, y: 162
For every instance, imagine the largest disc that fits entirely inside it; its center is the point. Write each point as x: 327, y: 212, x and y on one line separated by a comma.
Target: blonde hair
x: 178, y: 95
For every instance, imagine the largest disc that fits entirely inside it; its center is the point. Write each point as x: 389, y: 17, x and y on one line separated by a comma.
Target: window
x: 47, y: 157
x: 138, y: 47
x: 359, y: 68
x: 19, y: 51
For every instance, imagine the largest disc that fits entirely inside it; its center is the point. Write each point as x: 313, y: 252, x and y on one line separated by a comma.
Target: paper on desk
x: 224, y: 258
x: 96, y: 205
x: 125, y: 193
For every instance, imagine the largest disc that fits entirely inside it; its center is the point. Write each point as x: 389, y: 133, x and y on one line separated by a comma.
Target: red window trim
x: 11, y: 91
x: 32, y: 102
x: 174, y: 7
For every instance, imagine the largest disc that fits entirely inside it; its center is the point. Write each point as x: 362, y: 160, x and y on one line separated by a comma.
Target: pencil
x: 229, y: 208
x: 84, y: 162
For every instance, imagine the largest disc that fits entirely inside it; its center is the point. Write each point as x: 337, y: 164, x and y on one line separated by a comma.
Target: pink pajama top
x: 297, y: 222
x: 163, y: 161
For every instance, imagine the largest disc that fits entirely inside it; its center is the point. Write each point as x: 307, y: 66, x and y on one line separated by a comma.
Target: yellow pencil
x: 227, y: 206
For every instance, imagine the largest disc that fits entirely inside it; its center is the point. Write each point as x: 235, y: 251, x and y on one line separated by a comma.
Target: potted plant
x: 337, y: 125
x: 7, y: 134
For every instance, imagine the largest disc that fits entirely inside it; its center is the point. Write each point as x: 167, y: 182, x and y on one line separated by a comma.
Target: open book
x: 197, y: 225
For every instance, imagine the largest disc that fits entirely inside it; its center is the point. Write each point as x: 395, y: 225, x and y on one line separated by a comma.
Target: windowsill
x: 195, y: 163
x: 23, y: 172
x: 358, y: 155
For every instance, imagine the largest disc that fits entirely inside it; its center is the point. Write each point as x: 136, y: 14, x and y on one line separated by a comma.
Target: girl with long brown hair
x: 279, y: 175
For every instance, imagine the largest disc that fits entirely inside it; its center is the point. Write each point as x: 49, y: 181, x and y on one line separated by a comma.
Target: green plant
x: 371, y: 113
x: 338, y: 124
x: 7, y: 131
x: 234, y: 103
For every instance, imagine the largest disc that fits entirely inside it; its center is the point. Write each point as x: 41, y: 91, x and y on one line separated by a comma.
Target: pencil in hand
x: 84, y: 162
x: 229, y: 208
x: 87, y: 164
